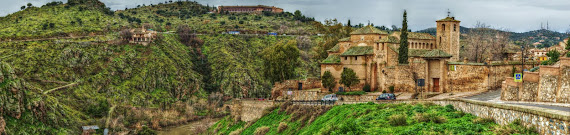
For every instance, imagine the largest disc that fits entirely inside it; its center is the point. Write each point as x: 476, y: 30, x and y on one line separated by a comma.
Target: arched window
x: 454, y: 27
x: 443, y: 26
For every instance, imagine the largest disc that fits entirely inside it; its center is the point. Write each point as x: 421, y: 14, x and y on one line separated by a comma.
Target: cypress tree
x: 403, y: 50
x: 348, y: 24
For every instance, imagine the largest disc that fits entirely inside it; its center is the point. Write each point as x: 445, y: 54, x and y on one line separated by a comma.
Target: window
x: 355, y: 57
x: 443, y: 25
x: 454, y: 27
x: 345, y: 58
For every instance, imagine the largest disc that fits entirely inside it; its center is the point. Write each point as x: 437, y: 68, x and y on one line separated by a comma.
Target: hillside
x: 366, y: 119
x: 54, y: 85
x: 58, y: 19
x: 165, y: 17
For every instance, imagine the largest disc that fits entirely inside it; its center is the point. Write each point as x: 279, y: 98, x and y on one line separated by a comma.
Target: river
x: 190, y: 128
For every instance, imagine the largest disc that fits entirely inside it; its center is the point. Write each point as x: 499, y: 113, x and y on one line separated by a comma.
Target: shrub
x: 240, y: 22
x: 391, y: 88
x: 351, y: 93
x: 261, y: 130
x: 282, y: 127
x: 236, y: 132
x: 383, y: 91
x: 479, y: 120
x: 449, y: 108
x: 514, y: 127
x: 397, y: 120
x: 146, y: 131
x: 429, y: 117
x: 366, y: 88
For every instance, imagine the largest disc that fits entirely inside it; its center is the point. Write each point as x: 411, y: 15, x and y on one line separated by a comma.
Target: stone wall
x: 564, y: 96
x: 550, y: 84
x: 357, y: 97
x: 511, y: 91
x: 530, y: 87
x: 301, y: 95
x: 249, y: 110
x: 468, y: 78
x: 280, y: 87
x: 545, y: 121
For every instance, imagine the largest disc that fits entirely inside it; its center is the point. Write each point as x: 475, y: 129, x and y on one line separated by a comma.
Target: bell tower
x: 447, y: 38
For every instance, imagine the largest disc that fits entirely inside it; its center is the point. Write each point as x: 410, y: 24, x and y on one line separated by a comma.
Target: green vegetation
x: 370, y: 118
x: 328, y: 80
x: 351, y: 93
x: 58, y: 20
x: 348, y: 78
x: 403, y: 49
x: 553, y: 55
x: 280, y: 61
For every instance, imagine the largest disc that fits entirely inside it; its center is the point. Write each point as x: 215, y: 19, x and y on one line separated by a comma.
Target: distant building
x: 250, y: 9
x: 142, y: 36
x: 234, y: 32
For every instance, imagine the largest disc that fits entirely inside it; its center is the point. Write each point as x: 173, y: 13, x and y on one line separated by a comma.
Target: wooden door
x: 435, y: 84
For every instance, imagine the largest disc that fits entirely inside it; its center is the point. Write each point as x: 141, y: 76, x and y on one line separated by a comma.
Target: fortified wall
x: 549, y: 84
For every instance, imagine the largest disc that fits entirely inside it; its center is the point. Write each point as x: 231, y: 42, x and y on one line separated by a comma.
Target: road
x: 495, y: 95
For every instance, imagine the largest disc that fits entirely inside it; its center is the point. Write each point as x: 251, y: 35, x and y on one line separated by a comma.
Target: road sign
x: 421, y: 82
x: 518, y: 77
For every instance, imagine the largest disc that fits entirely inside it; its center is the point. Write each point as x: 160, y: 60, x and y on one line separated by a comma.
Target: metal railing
x: 308, y: 102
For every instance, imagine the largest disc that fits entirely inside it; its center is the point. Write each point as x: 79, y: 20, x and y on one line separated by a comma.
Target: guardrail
x: 308, y: 102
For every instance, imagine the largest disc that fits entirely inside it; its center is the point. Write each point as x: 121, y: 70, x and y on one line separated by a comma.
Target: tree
x: 403, y: 50
x: 328, y: 80
x: 348, y: 24
x: 187, y: 37
x: 126, y: 34
x: 29, y: 4
x: 485, y: 42
x: 281, y: 60
x: 554, y: 56
x: 23, y: 7
x: 297, y: 15
x: 348, y: 78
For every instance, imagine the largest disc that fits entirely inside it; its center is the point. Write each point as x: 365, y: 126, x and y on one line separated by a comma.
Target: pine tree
x: 403, y: 50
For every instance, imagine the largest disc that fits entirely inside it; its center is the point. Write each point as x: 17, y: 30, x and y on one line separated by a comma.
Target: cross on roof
x: 448, y: 12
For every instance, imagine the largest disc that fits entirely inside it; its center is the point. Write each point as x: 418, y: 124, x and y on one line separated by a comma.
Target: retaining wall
x: 550, y: 84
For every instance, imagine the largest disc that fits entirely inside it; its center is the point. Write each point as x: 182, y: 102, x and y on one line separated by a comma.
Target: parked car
x: 330, y: 97
x: 386, y: 96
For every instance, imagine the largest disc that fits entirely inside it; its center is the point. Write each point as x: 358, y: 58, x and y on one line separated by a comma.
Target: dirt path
x: 192, y: 128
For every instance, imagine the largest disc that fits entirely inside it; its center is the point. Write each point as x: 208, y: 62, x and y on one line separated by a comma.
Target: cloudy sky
x: 513, y: 15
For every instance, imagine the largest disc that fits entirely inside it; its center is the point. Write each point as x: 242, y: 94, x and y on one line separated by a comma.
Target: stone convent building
x: 250, y: 9
x: 373, y: 55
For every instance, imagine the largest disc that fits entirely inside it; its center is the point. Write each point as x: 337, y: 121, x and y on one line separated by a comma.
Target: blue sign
x: 518, y: 77
x: 421, y: 82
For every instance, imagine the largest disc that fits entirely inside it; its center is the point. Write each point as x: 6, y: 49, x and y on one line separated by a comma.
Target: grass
x: 381, y: 119
x: 351, y: 93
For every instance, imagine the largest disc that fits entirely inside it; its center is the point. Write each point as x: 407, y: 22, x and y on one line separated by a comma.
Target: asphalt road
x: 494, y: 95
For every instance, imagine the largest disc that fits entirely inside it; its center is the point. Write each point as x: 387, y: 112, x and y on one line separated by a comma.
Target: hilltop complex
x: 250, y: 9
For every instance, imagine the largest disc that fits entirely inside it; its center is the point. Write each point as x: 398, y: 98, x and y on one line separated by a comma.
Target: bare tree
x: 485, y: 42
x: 126, y: 34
